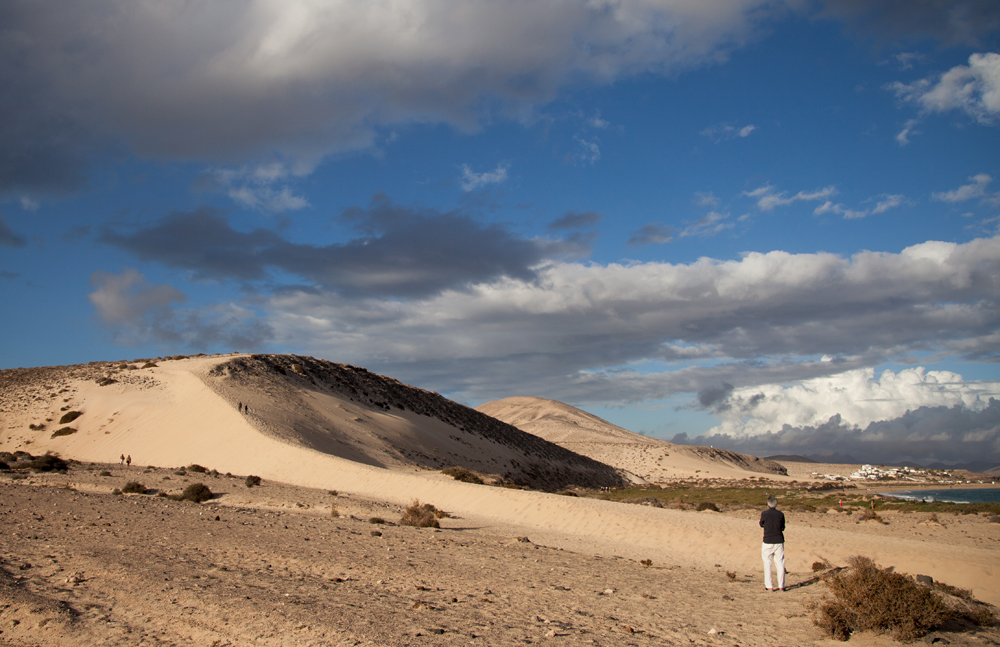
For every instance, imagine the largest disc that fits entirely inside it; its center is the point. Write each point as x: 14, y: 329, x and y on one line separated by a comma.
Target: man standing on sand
x: 773, y: 523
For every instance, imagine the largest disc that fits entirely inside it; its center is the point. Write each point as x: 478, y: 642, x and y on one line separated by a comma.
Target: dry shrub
x: 196, y: 492
x: 707, y: 505
x: 48, y: 463
x: 868, y: 598
x: 462, y: 474
x: 646, y: 563
x: 422, y: 516
x: 820, y: 566
x: 252, y: 481
x: 981, y: 615
x: 197, y: 468
x: 134, y: 487
x: 870, y: 515
x: 69, y: 417
x: 376, y: 520
x: 731, y: 575
x: 65, y: 431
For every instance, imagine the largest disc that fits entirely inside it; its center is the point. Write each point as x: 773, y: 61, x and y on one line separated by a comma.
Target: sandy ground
x: 270, y: 566
x: 479, y: 579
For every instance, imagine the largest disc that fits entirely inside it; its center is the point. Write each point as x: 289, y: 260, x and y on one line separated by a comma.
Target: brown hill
x: 336, y: 409
x: 649, y: 458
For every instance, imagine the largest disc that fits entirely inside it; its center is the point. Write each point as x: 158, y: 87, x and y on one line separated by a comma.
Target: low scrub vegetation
x: 869, y: 598
x: 198, y: 469
x: 69, y: 417
x: 196, y: 492
x: 252, y: 481
x: 46, y: 463
x: 463, y: 474
x: 422, y: 516
x: 134, y: 487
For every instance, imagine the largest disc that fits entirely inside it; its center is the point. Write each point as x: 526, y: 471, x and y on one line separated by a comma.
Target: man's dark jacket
x: 773, y: 523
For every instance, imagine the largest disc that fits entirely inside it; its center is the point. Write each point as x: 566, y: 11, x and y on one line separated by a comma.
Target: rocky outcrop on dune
x: 649, y: 458
x: 440, y: 433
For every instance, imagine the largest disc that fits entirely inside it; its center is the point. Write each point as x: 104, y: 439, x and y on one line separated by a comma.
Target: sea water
x: 957, y: 495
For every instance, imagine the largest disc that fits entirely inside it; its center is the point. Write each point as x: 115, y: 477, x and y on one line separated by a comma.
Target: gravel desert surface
x: 270, y: 565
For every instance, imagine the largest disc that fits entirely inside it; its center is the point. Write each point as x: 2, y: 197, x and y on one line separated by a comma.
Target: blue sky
x: 755, y: 219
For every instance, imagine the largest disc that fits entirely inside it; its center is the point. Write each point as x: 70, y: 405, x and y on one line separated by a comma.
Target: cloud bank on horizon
x: 692, y: 217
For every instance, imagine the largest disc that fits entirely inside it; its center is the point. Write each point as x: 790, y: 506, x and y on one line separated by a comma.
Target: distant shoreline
x: 943, y: 486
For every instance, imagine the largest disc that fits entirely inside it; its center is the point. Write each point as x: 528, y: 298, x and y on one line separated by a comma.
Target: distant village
x: 883, y: 473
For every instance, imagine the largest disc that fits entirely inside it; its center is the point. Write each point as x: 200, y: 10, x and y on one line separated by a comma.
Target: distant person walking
x: 121, y: 461
x: 772, y: 521
x: 128, y: 461
x: 240, y: 407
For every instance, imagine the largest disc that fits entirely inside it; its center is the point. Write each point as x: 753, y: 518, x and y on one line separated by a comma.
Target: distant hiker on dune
x: 240, y: 407
x: 128, y: 461
x: 773, y: 522
x: 121, y: 461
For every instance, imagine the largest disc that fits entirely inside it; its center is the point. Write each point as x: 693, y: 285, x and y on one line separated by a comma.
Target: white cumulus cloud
x: 973, y: 89
x: 858, y: 397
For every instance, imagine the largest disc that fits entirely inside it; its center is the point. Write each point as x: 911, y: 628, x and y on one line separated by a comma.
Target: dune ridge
x: 651, y: 459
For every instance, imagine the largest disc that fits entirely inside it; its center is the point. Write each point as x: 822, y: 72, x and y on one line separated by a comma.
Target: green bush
x: 869, y: 598
x: 462, y: 474
x: 69, y: 417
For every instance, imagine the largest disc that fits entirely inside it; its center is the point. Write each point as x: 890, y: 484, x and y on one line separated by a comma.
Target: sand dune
x: 184, y: 411
x: 651, y: 459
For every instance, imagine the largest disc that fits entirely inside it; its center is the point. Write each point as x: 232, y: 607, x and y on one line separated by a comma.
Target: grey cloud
x: 10, y: 239
x: 949, y: 434
x: 564, y: 332
x: 652, y: 234
x: 953, y: 22
x: 137, y: 313
x: 714, y: 396
x: 574, y: 220
x: 229, y: 82
x: 401, y: 251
